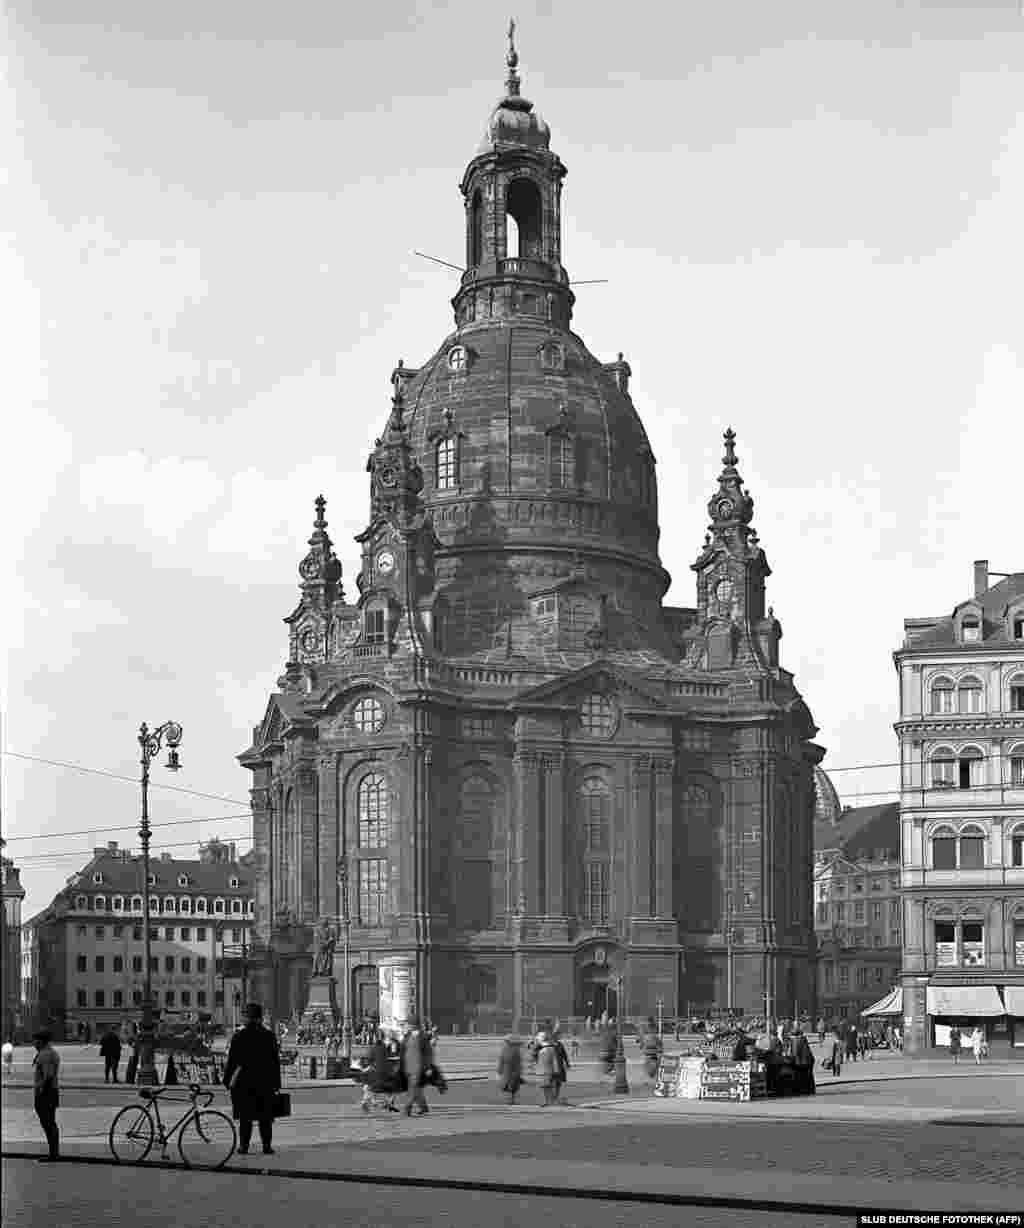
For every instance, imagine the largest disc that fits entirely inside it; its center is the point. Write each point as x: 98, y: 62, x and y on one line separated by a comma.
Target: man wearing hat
x: 45, y: 1068
x: 253, y: 1077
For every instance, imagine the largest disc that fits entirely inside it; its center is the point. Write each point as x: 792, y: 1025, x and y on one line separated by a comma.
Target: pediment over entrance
x: 600, y: 676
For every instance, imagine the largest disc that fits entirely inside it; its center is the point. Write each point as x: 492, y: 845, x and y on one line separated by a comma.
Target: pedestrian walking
x: 561, y: 1065
x: 547, y: 1070
x: 110, y: 1051
x: 955, y: 1044
x: 978, y: 1045
x: 417, y: 1057
x: 253, y: 1077
x: 803, y: 1061
x: 837, y: 1057
x: 510, y: 1068
x: 46, y: 1084
x: 851, y: 1042
x: 380, y: 1078
x: 652, y: 1052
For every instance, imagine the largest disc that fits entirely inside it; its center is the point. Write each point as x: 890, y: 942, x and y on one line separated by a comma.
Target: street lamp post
x: 661, y: 1010
x: 151, y: 741
x: 346, y: 927
x: 621, y: 1087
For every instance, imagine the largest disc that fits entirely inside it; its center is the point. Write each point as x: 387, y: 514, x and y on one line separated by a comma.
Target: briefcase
x: 282, y: 1104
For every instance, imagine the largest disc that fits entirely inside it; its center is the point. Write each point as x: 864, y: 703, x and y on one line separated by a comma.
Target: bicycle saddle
x: 146, y: 1093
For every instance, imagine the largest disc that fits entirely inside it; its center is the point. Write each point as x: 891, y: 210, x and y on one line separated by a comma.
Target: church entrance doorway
x: 595, y: 992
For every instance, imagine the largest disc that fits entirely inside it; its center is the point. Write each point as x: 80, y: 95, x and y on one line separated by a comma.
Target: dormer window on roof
x: 97, y: 877
x: 182, y: 880
x: 970, y: 629
x: 233, y: 881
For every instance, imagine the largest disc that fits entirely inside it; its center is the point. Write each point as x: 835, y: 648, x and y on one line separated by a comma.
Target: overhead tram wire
x: 96, y: 831
x: 133, y: 780
x: 44, y: 861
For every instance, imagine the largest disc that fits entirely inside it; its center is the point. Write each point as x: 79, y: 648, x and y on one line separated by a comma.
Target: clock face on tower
x: 385, y: 562
x: 723, y: 591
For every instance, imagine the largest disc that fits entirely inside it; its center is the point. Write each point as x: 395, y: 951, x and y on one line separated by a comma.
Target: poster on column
x: 403, y: 994
x: 386, y: 995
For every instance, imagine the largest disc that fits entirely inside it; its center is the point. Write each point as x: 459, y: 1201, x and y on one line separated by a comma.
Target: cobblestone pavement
x: 40, y: 1195
x: 935, y: 1153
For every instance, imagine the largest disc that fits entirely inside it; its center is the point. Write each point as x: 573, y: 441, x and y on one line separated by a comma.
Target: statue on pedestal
x: 325, y: 940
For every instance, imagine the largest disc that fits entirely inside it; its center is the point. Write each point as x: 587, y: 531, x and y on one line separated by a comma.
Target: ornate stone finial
x: 395, y: 421
x: 729, y: 458
x: 320, y: 503
x: 512, y: 60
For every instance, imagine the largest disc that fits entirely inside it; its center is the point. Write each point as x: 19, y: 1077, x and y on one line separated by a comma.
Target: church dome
x: 827, y: 808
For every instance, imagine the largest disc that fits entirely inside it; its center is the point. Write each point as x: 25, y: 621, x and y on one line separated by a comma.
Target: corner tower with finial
x: 512, y: 191
x: 732, y: 628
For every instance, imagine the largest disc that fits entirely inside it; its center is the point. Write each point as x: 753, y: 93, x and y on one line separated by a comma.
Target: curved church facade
x: 541, y: 789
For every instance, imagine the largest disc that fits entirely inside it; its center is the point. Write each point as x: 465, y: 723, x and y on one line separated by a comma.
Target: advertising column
x: 398, y: 996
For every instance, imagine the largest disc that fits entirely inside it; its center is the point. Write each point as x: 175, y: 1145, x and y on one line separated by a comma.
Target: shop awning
x: 979, y: 1001
x: 1013, y: 996
x: 891, y: 1004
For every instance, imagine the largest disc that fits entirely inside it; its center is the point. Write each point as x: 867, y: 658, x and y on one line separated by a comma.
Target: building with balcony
x: 82, y: 957
x: 857, y: 911
x: 961, y: 735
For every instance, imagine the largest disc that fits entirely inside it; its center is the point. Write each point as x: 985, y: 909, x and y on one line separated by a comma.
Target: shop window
x: 945, y: 944
x: 973, y: 941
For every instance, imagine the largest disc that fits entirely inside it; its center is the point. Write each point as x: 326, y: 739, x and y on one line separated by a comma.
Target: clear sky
x: 810, y: 216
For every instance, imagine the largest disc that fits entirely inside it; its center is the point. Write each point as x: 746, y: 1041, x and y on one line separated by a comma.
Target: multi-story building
x: 857, y: 911
x: 961, y: 735
x: 83, y: 957
x: 10, y: 943
x: 545, y: 790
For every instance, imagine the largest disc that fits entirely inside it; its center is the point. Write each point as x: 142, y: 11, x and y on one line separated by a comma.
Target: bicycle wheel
x: 207, y: 1140
x: 131, y: 1134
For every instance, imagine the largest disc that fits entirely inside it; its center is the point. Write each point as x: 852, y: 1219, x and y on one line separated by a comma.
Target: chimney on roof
x: 166, y: 857
x: 112, y: 846
x: 980, y: 577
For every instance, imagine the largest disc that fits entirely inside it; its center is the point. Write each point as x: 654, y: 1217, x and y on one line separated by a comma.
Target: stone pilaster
x: 527, y: 811
x: 555, y: 833
x: 326, y: 866
x: 645, y: 835
x: 306, y: 844
x: 262, y: 818
x: 663, y: 769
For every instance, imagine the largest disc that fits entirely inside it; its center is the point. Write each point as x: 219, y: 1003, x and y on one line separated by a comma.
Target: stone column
x: 555, y: 824
x: 645, y: 860
x: 527, y: 802
x: 663, y: 780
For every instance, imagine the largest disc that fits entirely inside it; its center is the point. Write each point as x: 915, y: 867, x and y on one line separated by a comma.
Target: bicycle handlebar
x: 195, y: 1090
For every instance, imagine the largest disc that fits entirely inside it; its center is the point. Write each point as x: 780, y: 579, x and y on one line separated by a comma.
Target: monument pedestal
x: 323, y: 1000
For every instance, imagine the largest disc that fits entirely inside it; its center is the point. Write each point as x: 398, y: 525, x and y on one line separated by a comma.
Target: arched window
x: 969, y: 695
x: 184, y: 904
x: 476, y: 229
x: 595, y: 816
x: 118, y: 903
x: 201, y: 904
x: 944, y: 849
x: 1017, y: 847
x: 560, y: 462
x: 373, y: 809
x: 446, y: 460
x: 1016, y: 757
x: 943, y: 765
x: 970, y: 768
x: 170, y: 904
x: 972, y: 848
x: 474, y: 894
x: 100, y: 903
x: 218, y: 906
x: 1017, y: 693
x: 524, y: 215
x: 136, y: 903
x: 942, y: 695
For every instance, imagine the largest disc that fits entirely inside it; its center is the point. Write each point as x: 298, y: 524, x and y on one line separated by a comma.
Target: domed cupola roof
x: 514, y: 121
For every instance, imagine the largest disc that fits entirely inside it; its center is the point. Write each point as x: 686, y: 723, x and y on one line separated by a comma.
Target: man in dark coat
x: 417, y: 1058
x: 110, y: 1051
x: 253, y: 1075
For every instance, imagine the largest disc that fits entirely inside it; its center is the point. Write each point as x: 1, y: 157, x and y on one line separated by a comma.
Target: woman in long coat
x: 547, y: 1070
x: 510, y: 1068
x: 253, y: 1075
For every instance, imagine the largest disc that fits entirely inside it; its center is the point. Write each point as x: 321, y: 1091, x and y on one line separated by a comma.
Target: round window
x: 368, y: 715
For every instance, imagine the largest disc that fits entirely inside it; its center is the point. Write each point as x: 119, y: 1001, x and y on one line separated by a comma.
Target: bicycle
x: 206, y: 1137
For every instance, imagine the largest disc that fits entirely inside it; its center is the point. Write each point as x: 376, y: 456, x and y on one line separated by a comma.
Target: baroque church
x: 542, y: 791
